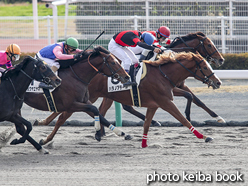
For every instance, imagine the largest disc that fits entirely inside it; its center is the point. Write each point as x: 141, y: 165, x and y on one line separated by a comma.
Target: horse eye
x: 209, y: 45
x: 43, y: 67
x: 205, y: 68
x: 113, y: 63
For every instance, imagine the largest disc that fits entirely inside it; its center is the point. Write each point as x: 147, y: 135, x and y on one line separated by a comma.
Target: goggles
x: 16, y: 56
x: 71, y: 49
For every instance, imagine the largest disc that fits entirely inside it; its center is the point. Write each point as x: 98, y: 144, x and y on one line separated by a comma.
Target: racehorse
x: 195, y: 42
x: 73, y: 95
x: 192, y: 42
x: 155, y: 90
x: 15, y: 82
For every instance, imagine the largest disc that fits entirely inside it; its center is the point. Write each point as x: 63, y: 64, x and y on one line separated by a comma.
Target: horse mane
x: 14, y: 70
x: 170, y: 57
x: 188, y: 37
x: 95, y: 52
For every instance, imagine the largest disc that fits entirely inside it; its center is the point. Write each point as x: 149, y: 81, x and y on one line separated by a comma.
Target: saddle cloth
x: 113, y: 87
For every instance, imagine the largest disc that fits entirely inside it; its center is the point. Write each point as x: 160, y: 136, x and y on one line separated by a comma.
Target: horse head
x: 204, y: 72
x: 110, y: 66
x: 199, y: 42
x: 42, y: 72
x: 194, y: 64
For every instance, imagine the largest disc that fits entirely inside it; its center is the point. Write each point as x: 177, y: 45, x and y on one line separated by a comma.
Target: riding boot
x: 129, y: 83
x: 45, y: 86
x: 54, y: 68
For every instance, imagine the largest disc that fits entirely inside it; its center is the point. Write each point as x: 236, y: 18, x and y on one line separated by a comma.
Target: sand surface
x: 174, y: 156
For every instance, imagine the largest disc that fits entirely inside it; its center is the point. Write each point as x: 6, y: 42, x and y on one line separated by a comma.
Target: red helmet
x: 164, y: 31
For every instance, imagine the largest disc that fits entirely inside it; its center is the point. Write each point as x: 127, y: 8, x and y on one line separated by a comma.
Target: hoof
x: 14, y: 142
x: 98, y: 135
x: 156, y: 124
x: 220, y: 119
x: 42, y: 142
x: 36, y: 123
x: 122, y: 134
x: 208, y: 139
x: 44, y: 151
x: 128, y: 137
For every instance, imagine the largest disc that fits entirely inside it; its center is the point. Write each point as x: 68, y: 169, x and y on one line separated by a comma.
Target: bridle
x: 44, y: 78
x: 194, y: 49
x: 114, y: 74
x: 204, y: 80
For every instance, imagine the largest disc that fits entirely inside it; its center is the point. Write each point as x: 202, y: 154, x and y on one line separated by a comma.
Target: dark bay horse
x: 155, y: 90
x: 12, y: 89
x: 73, y: 95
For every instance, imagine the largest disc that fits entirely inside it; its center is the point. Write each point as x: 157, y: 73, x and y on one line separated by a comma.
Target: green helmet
x: 72, y: 42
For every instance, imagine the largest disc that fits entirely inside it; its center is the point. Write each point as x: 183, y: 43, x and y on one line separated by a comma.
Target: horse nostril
x: 221, y: 61
x: 218, y: 83
x: 58, y: 81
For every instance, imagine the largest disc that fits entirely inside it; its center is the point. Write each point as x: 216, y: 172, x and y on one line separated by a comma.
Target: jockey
x: 120, y: 42
x: 162, y: 36
x: 11, y: 54
x: 62, y: 51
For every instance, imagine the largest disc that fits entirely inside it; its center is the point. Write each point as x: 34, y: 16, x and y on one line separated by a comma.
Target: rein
x: 207, y: 55
x: 204, y: 80
x: 113, y: 73
x: 16, y: 95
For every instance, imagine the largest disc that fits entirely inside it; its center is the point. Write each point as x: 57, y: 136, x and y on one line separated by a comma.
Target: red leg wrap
x: 144, y: 141
x: 198, y: 134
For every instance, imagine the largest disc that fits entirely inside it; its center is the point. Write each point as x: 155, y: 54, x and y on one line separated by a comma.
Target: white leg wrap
x: 115, y: 130
x: 97, y: 123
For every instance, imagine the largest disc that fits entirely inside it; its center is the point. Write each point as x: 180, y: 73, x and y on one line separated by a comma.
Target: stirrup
x: 45, y: 86
x: 129, y: 83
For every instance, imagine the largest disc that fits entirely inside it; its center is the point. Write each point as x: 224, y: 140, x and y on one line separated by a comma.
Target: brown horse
x: 155, y: 89
x: 72, y: 95
x: 191, y: 42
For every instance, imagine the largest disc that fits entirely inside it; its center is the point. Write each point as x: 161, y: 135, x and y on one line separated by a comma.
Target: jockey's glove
x: 77, y: 56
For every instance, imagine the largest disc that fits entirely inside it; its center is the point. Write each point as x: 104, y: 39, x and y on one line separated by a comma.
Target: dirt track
x: 77, y: 159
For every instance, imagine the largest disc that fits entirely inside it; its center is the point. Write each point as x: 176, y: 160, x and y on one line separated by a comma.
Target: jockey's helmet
x: 72, y: 42
x: 148, y: 38
x: 164, y: 31
x: 14, y: 51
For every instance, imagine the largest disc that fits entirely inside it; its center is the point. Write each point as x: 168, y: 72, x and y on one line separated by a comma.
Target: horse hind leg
x: 61, y: 120
x: 46, y: 121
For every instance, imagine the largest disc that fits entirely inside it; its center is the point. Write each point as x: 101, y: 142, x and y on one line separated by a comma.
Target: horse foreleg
x: 180, y: 92
x: 149, y: 115
x: 19, y: 121
x: 171, y: 108
x: 199, y: 103
x: 48, y: 120
x: 105, y: 105
x: 131, y: 110
x: 21, y: 130
x: 61, y: 120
